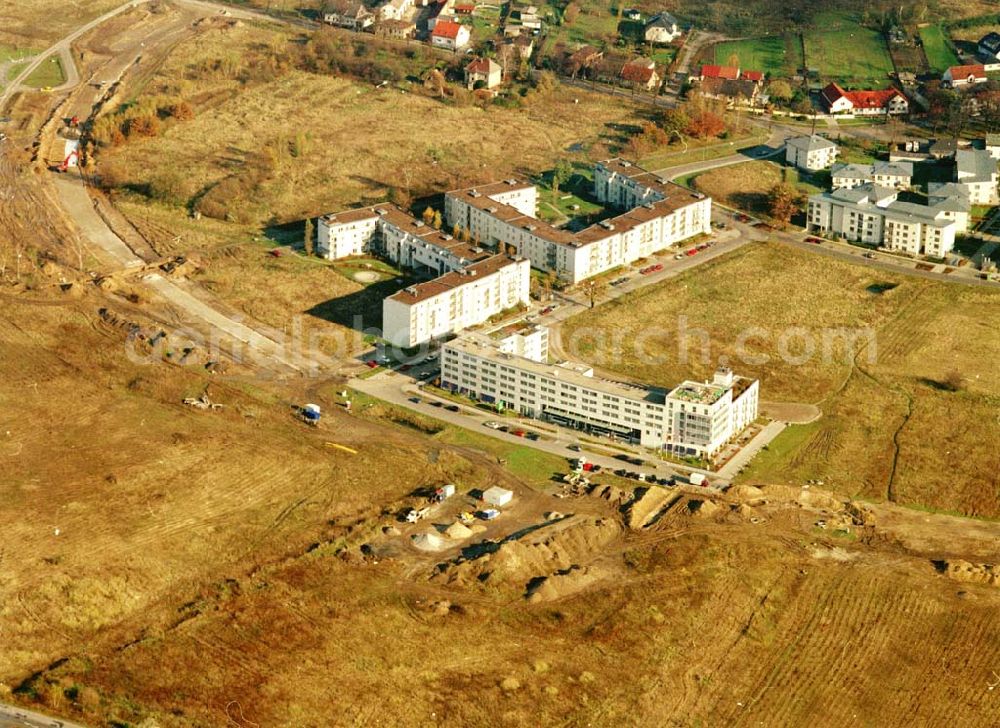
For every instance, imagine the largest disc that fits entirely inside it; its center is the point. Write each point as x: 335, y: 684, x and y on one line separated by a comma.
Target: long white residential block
x: 510, y: 369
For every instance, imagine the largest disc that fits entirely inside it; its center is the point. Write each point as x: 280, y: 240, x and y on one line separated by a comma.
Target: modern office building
x: 510, y: 369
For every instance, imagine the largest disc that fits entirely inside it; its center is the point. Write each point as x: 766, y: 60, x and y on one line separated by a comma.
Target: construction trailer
x: 497, y: 496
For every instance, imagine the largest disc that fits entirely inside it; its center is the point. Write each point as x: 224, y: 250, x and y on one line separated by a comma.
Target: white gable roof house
x: 662, y: 28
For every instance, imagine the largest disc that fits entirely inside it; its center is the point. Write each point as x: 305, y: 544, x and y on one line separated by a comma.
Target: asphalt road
x: 12, y: 716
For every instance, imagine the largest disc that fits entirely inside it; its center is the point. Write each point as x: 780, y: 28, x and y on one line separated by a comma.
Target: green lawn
x: 578, y: 190
x: 9, y: 53
x: 939, y: 52
x: 775, y: 56
x: 846, y: 52
x: 49, y: 73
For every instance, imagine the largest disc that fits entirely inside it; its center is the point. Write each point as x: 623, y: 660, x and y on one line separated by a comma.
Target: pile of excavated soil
x: 975, y: 573
x: 547, y: 549
x: 746, y: 493
x: 703, y: 508
x: 458, y: 531
x: 563, y: 583
x: 648, y: 505
x: 429, y: 542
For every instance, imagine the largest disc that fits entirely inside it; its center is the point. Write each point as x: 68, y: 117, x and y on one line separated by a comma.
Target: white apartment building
x: 952, y: 201
x: 465, y: 297
x: 976, y: 170
x: 510, y: 370
x: 811, y: 152
x: 893, y: 175
x: 659, y: 214
x: 872, y: 215
x: 344, y: 234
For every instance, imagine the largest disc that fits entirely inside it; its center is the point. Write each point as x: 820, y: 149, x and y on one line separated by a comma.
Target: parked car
x: 415, y: 400
x: 492, y: 425
x: 435, y: 403
x: 371, y: 364
x: 519, y: 433
x: 813, y: 239
x: 533, y: 435
x: 574, y: 447
x: 869, y: 254
x: 453, y: 408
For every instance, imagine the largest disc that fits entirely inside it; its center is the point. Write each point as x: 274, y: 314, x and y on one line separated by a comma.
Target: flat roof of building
x: 698, y: 392
x: 569, y: 372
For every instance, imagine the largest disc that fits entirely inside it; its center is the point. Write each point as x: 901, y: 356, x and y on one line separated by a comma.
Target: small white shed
x: 497, y: 496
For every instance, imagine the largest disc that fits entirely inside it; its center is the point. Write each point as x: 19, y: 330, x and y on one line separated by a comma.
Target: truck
x: 417, y: 514
x: 443, y: 493
x: 697, y: 479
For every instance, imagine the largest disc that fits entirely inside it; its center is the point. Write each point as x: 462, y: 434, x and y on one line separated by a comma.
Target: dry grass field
x: 352, y: 144
x: 745, y: 186
x: 890, y: 427
x: 36, y: 24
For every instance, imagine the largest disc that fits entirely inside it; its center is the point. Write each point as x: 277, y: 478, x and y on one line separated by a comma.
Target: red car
x: 371, y: 364
x: 692, y: 251
x: 813, y: 240
x: 658, y: 267
x: 519, y: 433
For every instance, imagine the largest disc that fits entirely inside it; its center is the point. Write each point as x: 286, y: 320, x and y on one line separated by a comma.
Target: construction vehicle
x: 202, y: 402
x: 417, y: 514
x: 466, y: 517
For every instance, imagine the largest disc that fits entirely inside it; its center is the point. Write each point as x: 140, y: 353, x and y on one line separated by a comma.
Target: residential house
x: 582, y: 60
x: 347, y: 14
x: 662, y: 29
x: 871, y: 214
x: 989, y: 47
x: 741, y: 92
x: 641, y: 73
x: 399, y: 29
x: 632, y: 14
x: 992, y: 144
x: 727, y: 72
x: 958, y: 76
x: 484, y: 73
x: 394, y: 9
x: 755, y: 76
x: 811, y: 152
x: 450, y: 35
x: 837, y: 100
x: 465, y: 8
x: 976, y: 170
x: 943, y: 148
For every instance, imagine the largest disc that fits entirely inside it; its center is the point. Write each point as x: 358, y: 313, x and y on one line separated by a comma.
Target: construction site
x: 203, y: 525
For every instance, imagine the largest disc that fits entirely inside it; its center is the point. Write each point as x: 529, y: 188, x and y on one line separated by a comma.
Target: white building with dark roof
x: 656, y: 215
x: 811, y: 152
x: 895, y: 175
x: 976, y: 170
x: 457, y: 300
x: 873, y: 215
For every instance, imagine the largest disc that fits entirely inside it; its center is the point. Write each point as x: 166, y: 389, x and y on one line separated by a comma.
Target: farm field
x: 876, y: 437
x: 939, y: 53
x: 776, y: 56
x: 846, y: 52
